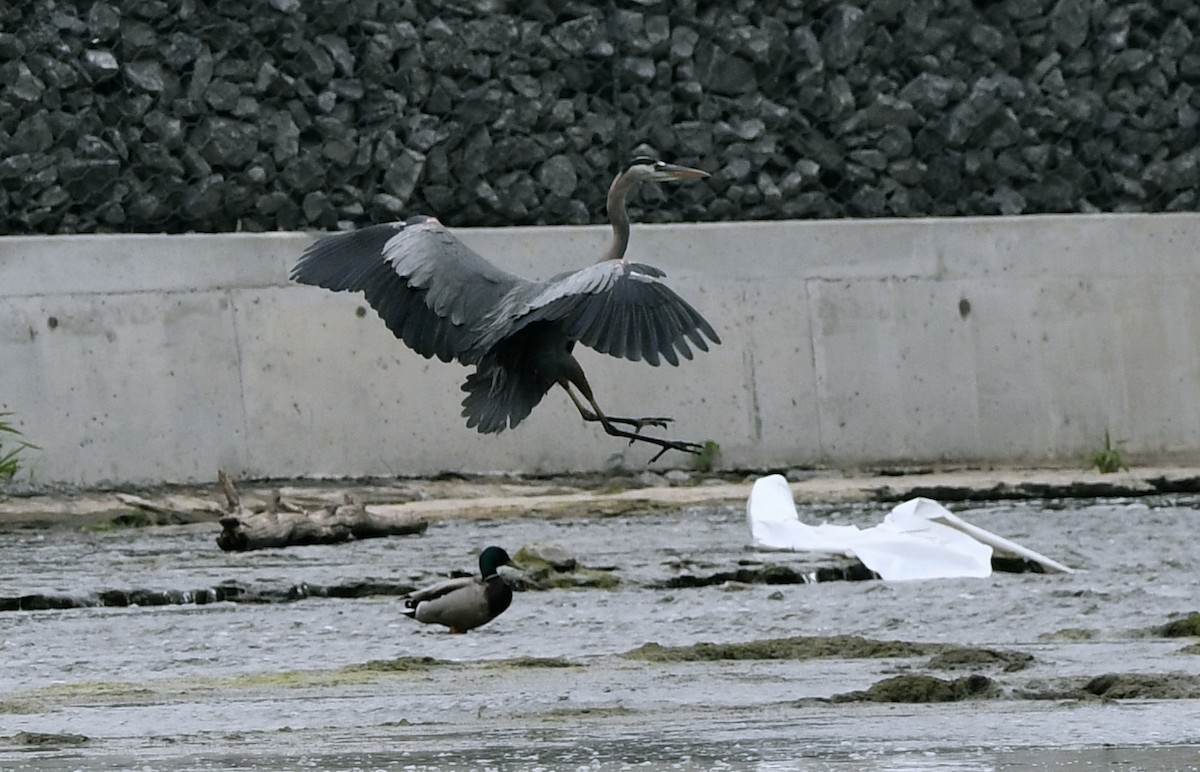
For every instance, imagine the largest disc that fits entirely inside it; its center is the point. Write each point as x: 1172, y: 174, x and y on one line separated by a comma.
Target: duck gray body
x: 465, y: 603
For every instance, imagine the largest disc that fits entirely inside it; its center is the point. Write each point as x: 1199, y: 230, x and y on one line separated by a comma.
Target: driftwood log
x: 283, y: 524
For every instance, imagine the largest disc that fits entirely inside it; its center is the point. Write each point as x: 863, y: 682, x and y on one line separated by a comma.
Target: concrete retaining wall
x: 161, y: 358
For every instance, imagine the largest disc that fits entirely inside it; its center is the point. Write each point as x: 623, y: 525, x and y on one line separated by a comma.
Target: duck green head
x: 491, y: 559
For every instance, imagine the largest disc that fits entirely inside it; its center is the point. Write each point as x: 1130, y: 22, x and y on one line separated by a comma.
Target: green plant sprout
x: 10, y: 464
x: 707, y: 458
x: 1109, y: 459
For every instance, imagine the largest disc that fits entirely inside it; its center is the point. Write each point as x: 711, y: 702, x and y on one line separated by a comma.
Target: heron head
x: 645, y: 169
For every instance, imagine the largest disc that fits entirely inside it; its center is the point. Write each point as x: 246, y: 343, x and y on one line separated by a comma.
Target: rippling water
x: 240, y: 686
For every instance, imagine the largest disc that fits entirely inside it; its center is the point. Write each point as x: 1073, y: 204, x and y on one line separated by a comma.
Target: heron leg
x: 596, y: 414
x: 637, y: 423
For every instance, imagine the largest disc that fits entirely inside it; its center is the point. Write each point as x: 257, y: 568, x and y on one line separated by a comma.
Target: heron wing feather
x: 430, y: 289
x: 621, y: 309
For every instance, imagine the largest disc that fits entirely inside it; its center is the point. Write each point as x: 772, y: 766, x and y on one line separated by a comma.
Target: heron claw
x: 610, y: 427
x: 641, y: 423
x: 685, y: 447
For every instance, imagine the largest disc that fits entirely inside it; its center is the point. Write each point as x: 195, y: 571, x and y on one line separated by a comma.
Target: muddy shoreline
x: 490, y: 496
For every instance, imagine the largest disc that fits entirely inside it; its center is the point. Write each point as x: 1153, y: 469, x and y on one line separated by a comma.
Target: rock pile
x: 172, y: 115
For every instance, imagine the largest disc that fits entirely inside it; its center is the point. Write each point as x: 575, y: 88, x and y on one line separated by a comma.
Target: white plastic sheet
x: 918, y: 539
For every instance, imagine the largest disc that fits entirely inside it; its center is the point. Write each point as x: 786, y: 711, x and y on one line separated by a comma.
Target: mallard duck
x: 467, y: 602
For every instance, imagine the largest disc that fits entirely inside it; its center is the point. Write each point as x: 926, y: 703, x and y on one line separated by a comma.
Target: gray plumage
x: 446, y: 301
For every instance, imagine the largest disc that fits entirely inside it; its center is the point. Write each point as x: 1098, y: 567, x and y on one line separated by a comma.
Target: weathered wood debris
x: 284, y: 524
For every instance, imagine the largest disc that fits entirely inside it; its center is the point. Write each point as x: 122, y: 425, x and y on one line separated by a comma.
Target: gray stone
x: 845, y: 34
x: 487, y: 195
x: 895, y: 142
x: 1007, y: 201
x: 304, y: 173
x: 225, y: 141
x: 100, y: 65
x: 736, y: 170
x: 402, y: 174
x: 204, y: 199
x: 636, y: 69
x: 15, y: 166
x: 33, y: 135
x: 475, y: 153
x: 556, y: 556
x: 723, y: 73
x: 887, y: 110
x: 11, y: 46
x: 1023, y: 9
x: 103, y: 21
x: 389, y: 204
x: 340, y: 151
x: 1131, y: 60
x: 771, y: 192
x: 339, y: 52
x: 870, y: 158
x: 657, y: 30
x: 440, y: 197
x: 147, y: 74
x: 27, y: 87
x: 317, y: 209
x: 576, y: 37
x: 986, y: 38
x: 1176, y: 39
x: 54, y: 73
x: 794, y: 180
x: 222, y: 95
x: 931, y: 92
x: 286, y: 137
x: 1069, y: 21
x: 168, y: 130
x: 908, y: 171
x: 137, y: 37
x: 194, y: 163
x: 970, y: 113
x: 558, y: 176
x: 88, y: 178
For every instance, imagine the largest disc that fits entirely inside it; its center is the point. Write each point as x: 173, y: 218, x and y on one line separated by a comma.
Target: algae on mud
x: 550, y: 567
x: 797, y: 648
x: 1184, y: 627
x: 965, y: 657
x: 920, y: 688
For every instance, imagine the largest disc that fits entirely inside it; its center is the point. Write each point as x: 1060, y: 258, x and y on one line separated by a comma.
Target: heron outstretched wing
x: 429, y: 288
x: 617, y: 308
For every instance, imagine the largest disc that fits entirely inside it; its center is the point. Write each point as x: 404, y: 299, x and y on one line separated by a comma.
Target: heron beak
x: 672, y: 173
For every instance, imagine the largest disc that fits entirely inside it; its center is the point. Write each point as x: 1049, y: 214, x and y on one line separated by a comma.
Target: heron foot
x: 684, y: 447
x: 610, y: 428
x: 662, y: 443
x: 641, y: 423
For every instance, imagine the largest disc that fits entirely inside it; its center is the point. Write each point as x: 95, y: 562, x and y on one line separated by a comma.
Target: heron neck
x: 619, y: 218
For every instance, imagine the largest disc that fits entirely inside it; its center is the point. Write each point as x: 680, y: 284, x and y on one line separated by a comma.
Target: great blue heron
x: 444, y: 300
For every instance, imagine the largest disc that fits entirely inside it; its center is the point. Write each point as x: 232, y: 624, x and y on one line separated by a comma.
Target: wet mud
x: 798, y: 648
x: 1057, y: 670
x: 921, y: 688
